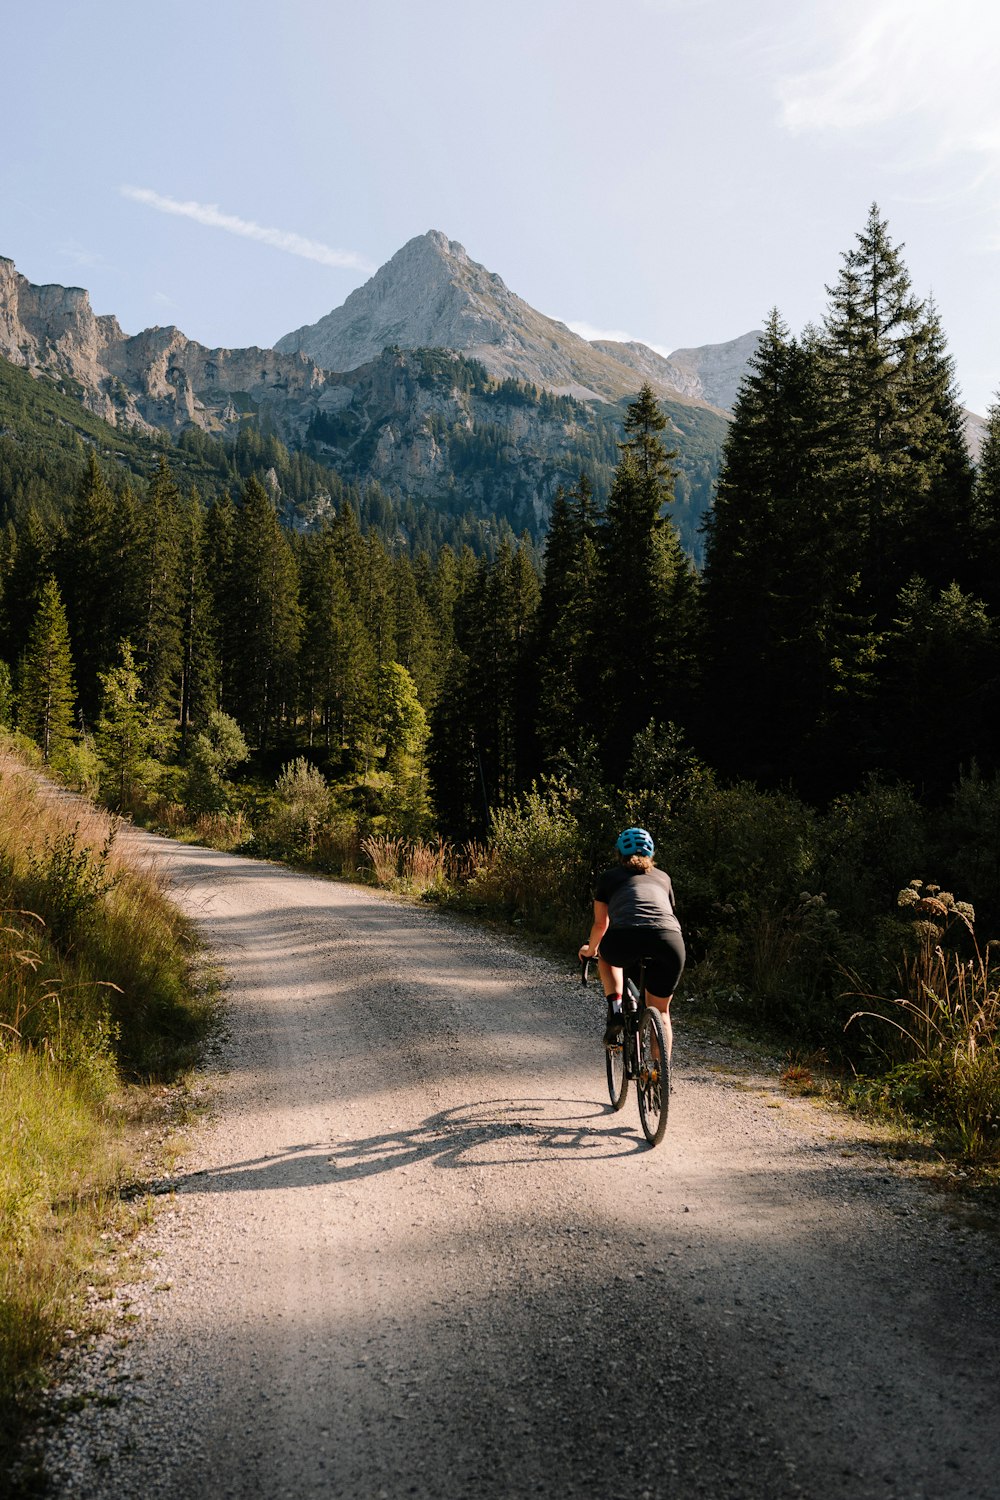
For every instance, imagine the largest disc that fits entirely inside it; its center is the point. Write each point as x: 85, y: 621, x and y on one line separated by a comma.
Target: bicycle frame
x: 642, y: 1056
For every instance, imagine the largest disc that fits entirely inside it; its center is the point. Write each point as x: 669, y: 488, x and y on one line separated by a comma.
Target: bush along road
x: 412, y: 1253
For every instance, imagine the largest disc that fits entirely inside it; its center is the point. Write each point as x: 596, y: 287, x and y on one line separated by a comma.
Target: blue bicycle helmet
x: 635, y: 841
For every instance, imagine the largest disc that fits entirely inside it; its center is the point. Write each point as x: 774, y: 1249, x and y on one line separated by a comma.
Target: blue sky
x: 662, y: 169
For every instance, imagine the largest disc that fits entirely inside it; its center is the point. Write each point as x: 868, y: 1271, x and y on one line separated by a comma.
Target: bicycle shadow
x: 529, y: 1131
x: 468, y: 1135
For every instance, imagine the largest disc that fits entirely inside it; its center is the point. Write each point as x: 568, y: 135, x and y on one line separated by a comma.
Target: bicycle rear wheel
x: 653, y: 1082
x: 614, y: 1061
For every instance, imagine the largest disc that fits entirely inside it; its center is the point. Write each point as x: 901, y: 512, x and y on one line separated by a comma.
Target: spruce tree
x: 129, y: 734
x: 199, y: 681
x: 567, y: 668
x: 30, y: 564
x: 263, y: 618
x: 92, y: 585
x: 159, y: 638
x: 986, y: 513
x: 46, y: 692
x: 894, y: 465
x: 775, y: 571
x: 337, y: 660
x: 417, y: 642
x: 647, y: 598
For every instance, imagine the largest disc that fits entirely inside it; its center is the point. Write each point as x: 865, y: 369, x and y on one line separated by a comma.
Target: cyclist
x: 634, y: 918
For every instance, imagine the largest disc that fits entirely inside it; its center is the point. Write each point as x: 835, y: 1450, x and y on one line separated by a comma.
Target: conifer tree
x: 417, y: 643
x: 567, y: 669
x: 337, y: 661
x: 264, y: 618
x: 199, y: 681
x: 92, y: 585
x: 499, y: 691
x: 159, y: 638
x: 893, y: 456
x: 30, y: 564
x: 129, y: 734
x: 220, y: 533
x: 46, y: 693
x: 775, y: 573
x: 986, y: 551
x: 647, y: 597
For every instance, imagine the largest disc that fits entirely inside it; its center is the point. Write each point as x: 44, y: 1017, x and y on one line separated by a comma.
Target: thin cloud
x: 212, y: 217
x: 613, y: 336
x: 900, y: 60
x: 79, y: 255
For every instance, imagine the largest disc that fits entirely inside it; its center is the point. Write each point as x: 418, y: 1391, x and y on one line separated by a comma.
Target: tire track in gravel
x: 413, y: 1253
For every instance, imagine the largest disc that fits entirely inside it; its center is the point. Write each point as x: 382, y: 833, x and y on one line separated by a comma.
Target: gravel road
x: 414, y: 1254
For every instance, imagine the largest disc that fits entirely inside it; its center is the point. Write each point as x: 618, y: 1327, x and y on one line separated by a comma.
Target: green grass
x: 97, y: 1002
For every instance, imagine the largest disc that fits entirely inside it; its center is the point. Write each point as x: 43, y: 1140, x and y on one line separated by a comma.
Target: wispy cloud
x: 878, y: 62
x: 613, y: 336
x: 593, y: 335
x: 213, y: 217
x: 79, y: 255
x: 914, y: 81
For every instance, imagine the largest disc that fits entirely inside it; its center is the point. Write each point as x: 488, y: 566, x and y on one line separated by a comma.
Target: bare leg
x: 611, y: 978
x: 663, y: 1006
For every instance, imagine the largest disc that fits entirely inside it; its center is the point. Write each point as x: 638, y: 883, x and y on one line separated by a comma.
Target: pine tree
x: 337, y: 660
x: 647, y: 597
x: 894, y: 466
x: 481, y: 751
x: 159, y: 645
x: 46, y: 694
x: 220, y: 533
x: 986, y: 551
x: 417, y: 643
x: 92, y: 585
x: 30, y: 563
x: 567, y: 667
x: 129, y: 734
x: 777, y: 570
x: 199, y: 681
x: 263, y: 617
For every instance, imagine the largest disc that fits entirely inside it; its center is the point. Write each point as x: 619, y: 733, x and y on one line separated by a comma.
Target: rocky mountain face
x: 432, y: 295
x: 154, y: 379
x: 439, y: 428
x: 427, y: 423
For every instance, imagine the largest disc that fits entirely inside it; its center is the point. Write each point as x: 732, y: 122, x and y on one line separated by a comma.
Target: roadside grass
x: 97, y: 1003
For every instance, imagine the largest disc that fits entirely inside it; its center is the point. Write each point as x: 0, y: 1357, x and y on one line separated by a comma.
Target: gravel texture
x: 412, y: 1253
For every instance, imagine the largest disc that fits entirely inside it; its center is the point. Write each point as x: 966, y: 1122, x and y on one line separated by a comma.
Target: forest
x: 807, y: 721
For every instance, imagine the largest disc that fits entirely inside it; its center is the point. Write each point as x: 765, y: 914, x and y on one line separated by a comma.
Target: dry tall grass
x: 94, y: 988
x: 946, y: 1023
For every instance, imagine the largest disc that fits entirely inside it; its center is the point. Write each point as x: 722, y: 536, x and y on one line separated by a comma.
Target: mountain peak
x: 431, y: 294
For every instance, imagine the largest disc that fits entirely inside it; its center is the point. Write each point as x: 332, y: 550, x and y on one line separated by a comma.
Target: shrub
x: 298, y: 808
x: 869, y: 843
x: 536, y: 867
x: 213, y: 754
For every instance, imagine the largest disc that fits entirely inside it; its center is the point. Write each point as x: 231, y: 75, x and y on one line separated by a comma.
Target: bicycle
x: 641, y: 1055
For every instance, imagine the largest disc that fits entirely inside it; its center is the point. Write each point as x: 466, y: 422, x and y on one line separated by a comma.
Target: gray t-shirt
x: 638, y: 898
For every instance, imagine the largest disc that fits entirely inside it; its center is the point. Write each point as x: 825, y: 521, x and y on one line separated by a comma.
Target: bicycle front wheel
x: 653, y: 1082
x: 614, y: 1061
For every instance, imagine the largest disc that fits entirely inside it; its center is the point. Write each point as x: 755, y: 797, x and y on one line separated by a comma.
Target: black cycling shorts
x: 663, y: 950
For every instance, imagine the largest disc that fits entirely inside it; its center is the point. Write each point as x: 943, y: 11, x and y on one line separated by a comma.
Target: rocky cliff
x: 158, y: 378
